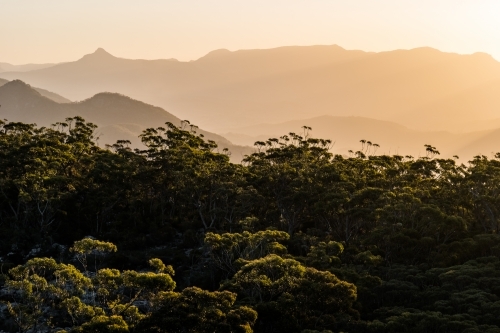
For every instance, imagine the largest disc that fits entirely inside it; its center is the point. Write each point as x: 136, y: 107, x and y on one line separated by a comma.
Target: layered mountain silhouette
x: 346, y: 133
x: 50, y: 95
x: 423, y: 88
x: 6, y: 67
x: 119, y: 117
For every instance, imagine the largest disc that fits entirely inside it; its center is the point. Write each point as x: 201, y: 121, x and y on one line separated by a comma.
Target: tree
x: 198, y: 311
x: 290, y: 297
x: 286, y: 173
x: 39, y: 285
x: 191, y: 179
x: 231, y: 250
x: 44, y: 292
x: 88, y: 246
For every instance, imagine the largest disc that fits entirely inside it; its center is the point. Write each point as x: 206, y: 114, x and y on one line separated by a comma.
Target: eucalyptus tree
x: 229, y: 251
x: 286, y: 170
x: 43, y: 293
x: 190, y: 179
x: 482, y: 187
x: 199, y: 311
x: 290, y: 297
x: 42, y: 171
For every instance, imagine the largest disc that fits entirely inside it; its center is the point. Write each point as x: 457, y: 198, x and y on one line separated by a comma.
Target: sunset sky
x: 34, y: 31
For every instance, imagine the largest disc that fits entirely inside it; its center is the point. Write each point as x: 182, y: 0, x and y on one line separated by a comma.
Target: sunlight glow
x: 53, y: 31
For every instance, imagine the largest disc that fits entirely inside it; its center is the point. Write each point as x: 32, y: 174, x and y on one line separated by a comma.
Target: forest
x: 175, y: 238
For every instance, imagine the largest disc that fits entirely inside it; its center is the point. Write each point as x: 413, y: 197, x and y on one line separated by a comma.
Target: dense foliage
x: 294, y: 239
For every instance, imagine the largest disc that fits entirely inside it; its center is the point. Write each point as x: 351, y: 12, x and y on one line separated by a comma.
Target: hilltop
x: 119, y: 117
x: 50, y: 95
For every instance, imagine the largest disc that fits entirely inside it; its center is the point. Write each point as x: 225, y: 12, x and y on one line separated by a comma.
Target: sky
x: 34, y: 31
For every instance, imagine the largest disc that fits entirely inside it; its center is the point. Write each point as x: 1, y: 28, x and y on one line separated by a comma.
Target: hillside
x: 346, y: 132
x: 6, y: 67
x: 50, y: 95
x: 422, y: 88
x: 118, y: 117
x: 122, y: 118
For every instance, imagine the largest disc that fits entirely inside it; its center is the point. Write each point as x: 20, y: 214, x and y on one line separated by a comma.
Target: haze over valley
x: 282, y: 166
x: 118, y: 117
x: 399, y: 99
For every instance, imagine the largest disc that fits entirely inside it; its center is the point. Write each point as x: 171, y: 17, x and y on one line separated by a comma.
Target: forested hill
x: 176, y: 238
x: 50, y: 95
x: 119, y: 117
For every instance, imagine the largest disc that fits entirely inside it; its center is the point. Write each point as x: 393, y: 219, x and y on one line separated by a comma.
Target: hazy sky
x: 36, y: 31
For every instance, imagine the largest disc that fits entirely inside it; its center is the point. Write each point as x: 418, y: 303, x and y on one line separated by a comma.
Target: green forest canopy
x: 294, y: 239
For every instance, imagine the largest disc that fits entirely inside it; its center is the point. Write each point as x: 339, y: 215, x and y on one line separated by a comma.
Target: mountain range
x: 423, y: 88
x: 399, y: 99
x: 119, y: 117
x: 347, y: 132
x: 6, y: 67
x: 50, y: 95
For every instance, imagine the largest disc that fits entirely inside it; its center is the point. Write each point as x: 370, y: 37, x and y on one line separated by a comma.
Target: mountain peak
x: 101, y: 51
x: 99, y: 54
x: 18, y: 85
x: 18, y: 88
x: 216, y: 53
x: 17, y: 92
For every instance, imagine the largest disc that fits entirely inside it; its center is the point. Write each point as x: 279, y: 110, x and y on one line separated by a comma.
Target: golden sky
x: 36, y: 31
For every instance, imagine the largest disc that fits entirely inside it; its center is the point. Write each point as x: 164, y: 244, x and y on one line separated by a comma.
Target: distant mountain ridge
x: 6, y: 67
x: 119, y: 117
x: 53, y: 96
x: 122, y: 118
x: 421, y: 88
x: 346, y: 133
